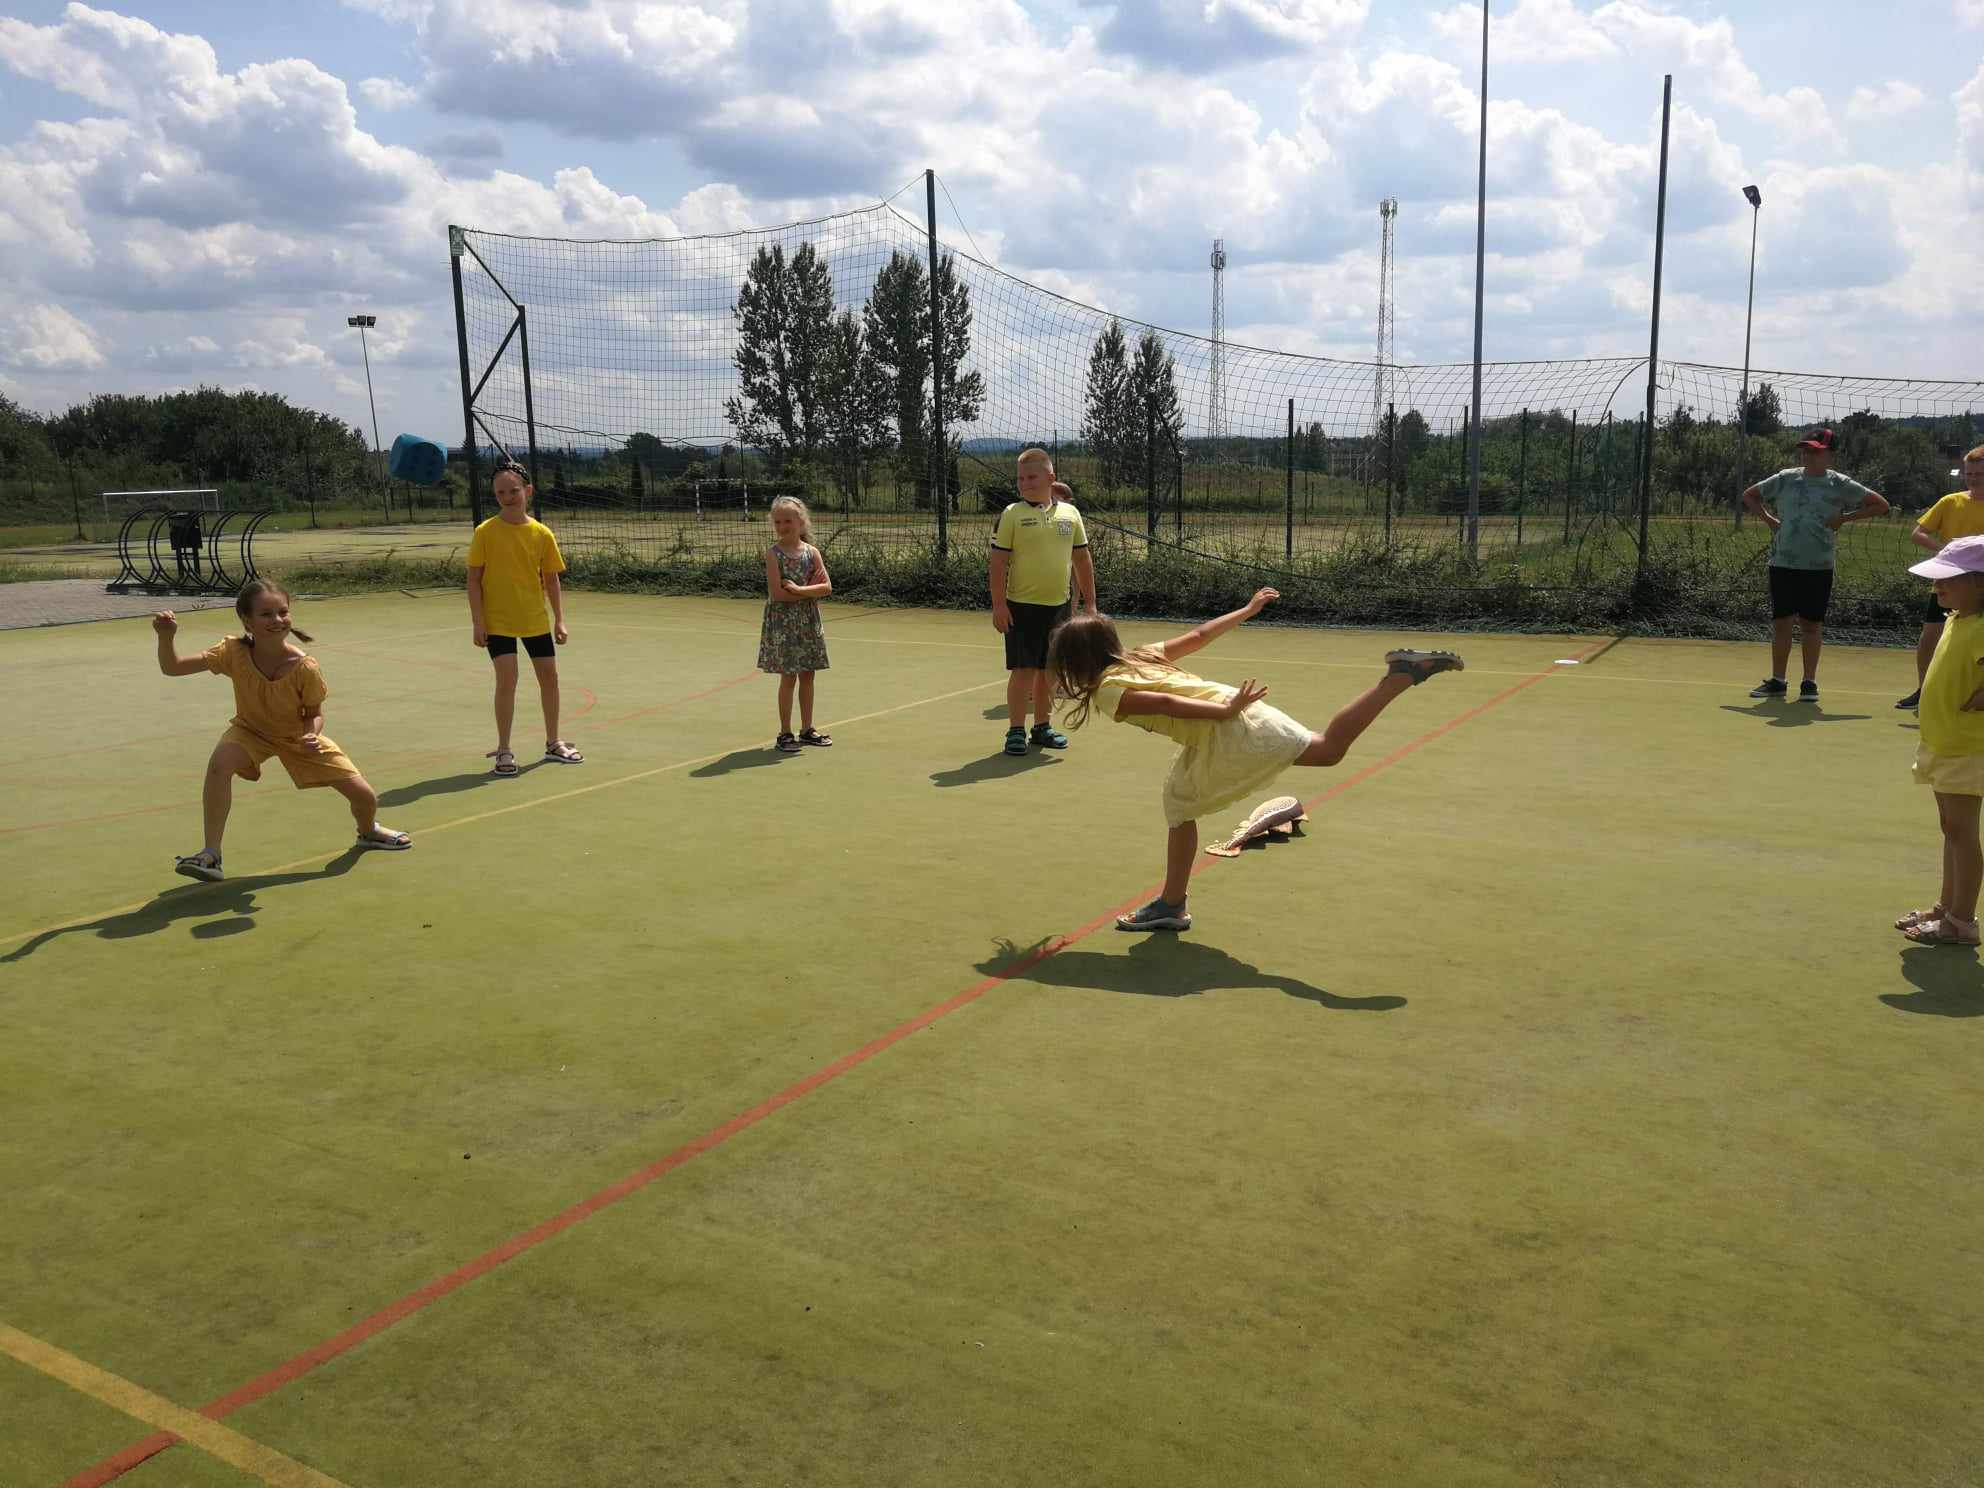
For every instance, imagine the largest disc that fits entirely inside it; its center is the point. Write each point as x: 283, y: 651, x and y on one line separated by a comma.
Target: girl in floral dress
x: 793, y: 643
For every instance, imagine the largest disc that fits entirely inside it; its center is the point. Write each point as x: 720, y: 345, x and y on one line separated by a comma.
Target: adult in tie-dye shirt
x: 1811, y: 505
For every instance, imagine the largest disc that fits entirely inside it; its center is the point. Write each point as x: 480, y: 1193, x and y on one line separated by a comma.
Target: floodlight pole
x: 1653, y: 349
x: 365, y: 323
x: 1480, y: 281
x: 1756, y: 200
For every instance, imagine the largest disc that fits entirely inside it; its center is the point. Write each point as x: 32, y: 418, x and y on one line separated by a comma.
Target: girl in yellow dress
x: 1234, y: 743
x: 278, y: 710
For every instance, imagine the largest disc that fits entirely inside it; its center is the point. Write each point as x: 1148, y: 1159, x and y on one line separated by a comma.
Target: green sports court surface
x: 1561, y: 1108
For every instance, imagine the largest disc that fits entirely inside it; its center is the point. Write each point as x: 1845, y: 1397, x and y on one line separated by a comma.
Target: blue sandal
x: 1016, y: 741
x: 1048, y: 736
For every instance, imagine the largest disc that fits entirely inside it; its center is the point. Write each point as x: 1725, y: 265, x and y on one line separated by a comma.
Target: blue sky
x: 199, y: 192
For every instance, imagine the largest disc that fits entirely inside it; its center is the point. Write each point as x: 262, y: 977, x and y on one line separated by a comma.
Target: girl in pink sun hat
x: 1950, y: 757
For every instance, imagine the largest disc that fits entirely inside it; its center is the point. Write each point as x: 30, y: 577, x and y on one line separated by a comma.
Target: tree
x: 783, y: 313
x: 855, y: 403
x: 1760, y: 412
x: 1106, y: 409
x: 895, y: 325
x: 1413, y: 437
x: 1152, y: 409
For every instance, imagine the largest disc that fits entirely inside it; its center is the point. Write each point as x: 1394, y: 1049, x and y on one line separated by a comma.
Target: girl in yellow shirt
x: 278, y: 711
x: 1233, y: 742
x: 1950, y: 757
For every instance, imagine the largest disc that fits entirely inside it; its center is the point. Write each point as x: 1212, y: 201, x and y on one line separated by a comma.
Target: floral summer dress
x: 793, y: 639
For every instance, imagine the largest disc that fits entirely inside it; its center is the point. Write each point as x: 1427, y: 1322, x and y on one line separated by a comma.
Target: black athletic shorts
x: 538, y: 647
x: 1804, y: 592
x: 1026, y: 637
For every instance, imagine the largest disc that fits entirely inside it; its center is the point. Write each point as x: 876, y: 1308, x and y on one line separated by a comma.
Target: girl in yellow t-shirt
x: 1950, y: 757
x: 1232, y: 742
x: 1959, y: 514
x: 278, y: 711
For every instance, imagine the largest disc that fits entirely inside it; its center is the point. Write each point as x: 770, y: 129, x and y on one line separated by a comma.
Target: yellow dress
x: 269, y: 717
x: 1222, y: 760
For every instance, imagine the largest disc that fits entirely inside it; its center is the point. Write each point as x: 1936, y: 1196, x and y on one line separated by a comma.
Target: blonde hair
x: 805, y: 517
x: 1976, y: 454
x: 1081, y: 649
x: 1033, y: 454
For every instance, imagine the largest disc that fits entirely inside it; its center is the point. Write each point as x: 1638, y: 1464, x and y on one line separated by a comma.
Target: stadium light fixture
x: 1756, y: 200
x: 365, y: 323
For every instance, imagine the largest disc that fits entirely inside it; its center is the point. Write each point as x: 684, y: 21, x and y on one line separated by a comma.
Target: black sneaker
x: 1770, y: 687
x: 1912, y: 701
x: 1808, y: 692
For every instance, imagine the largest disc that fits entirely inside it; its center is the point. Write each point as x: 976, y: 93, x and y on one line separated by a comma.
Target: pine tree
x: 855, y: 403
x: 1106, y: 406
x: 783, y: 312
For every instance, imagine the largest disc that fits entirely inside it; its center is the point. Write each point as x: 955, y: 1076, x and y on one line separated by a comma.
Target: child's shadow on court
x: 450, y: 785
x: 1793, y: 715
x: 999, y: 766
x: 1948, y: 982
x: 1167, y: 966
x: 740, y: 759
x: 193, y: 901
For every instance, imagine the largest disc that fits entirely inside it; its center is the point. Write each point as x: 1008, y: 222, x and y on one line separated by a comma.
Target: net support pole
x: 530, y: 412
x: 1522, y: 476
x: 938, y: 494
x: 1288, y: 490
x: 1653, y: 348
x: 456, y: 245
x: 1743, y: 398
x: 1391, y: 466
x: 1150, y: 468
x: 1480, y: 282
x: 1570, y: 477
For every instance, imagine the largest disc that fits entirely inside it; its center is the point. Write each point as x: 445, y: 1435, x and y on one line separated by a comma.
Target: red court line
x: 114, y: 1467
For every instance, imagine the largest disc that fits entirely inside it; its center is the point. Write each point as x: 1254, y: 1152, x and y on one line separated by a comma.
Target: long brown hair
x: 1081, y: 649
x: 244, y: 606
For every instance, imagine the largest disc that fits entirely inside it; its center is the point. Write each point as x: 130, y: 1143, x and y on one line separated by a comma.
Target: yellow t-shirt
x: 514, y: 557
x: 1129, y: 676
x: 275, y: 710
x: 1041, y: 540
x: 1954, y: 674
x: 1956, y: 515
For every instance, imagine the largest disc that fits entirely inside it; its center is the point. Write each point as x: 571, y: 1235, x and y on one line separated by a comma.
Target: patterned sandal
x: 817, y: 739
x: 1948, y: 930
x: 786, y: 744
x: 1919, y: 917
x: 202, y: 865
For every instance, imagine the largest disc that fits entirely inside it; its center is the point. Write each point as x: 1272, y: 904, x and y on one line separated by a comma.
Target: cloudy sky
x: 200, y: 191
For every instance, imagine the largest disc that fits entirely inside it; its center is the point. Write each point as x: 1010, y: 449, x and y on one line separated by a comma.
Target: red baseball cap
x: 1820, y: 439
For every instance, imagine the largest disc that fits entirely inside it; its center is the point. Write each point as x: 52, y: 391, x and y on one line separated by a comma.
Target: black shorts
x: 1026, y: 637
x: 538, y: 647
x: 1804, y: 592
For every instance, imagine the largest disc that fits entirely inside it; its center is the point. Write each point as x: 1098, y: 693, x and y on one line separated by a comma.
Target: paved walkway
x: 68, y: 601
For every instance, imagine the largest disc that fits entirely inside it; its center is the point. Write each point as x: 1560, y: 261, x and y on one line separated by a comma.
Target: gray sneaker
x: 1419, y: 665
x: 1770, y: 687
x: 1156, y: 915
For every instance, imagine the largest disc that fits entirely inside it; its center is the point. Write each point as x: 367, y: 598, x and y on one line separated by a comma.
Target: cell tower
x: 1381, y: 383
x: 1216, y: 384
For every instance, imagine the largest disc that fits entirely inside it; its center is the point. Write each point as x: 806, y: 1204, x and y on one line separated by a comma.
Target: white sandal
x: 392, y: 841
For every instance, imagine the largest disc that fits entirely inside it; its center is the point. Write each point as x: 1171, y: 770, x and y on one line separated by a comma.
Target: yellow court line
x: 462, y: 821
x: 140, y: 1404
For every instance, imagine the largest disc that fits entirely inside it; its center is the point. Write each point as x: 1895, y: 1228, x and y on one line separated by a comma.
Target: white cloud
x: 1970, y: 12
x: 48, y: 338
x: 1535, y: 31
x: 388, y: 94
x: 1889, y: 101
